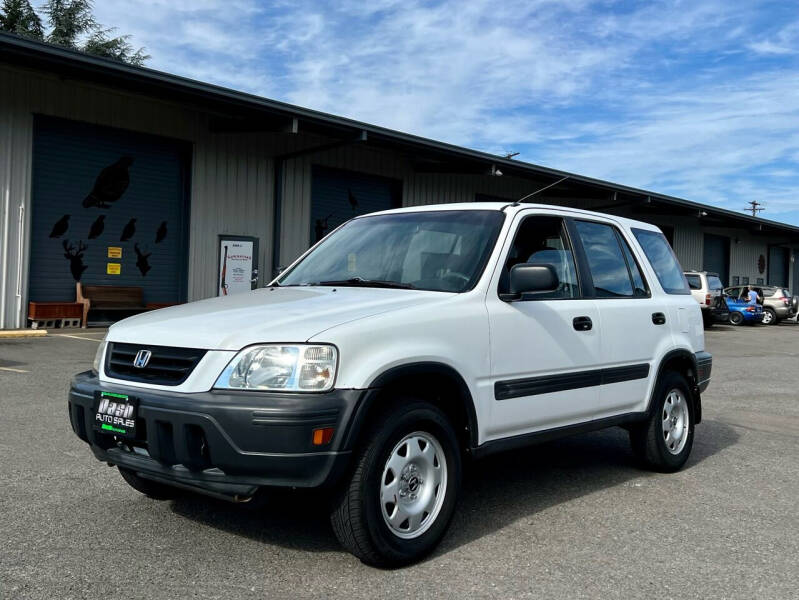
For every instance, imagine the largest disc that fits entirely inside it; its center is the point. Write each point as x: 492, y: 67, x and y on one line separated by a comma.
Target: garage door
x: 778, y: 259
x: 716, y: 256
x: 109, y: 208
x: 338, y: 195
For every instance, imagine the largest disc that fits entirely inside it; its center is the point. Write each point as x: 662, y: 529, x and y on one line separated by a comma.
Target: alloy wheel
x: 675, y: 421
x: 413, y: 485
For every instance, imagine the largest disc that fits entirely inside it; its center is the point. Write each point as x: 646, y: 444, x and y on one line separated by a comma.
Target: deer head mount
x: 75, y: 258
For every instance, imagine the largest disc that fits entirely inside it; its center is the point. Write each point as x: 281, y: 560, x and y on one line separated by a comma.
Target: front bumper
x: 223, y: 443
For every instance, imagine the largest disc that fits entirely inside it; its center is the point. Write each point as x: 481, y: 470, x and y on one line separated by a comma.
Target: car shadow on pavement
x: 501, y: 489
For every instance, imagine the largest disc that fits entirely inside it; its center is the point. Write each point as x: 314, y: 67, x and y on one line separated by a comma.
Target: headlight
x: 292, y: 368
x: 98, y: 357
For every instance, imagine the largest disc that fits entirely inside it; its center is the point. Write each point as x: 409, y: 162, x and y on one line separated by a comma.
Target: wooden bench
x: 110, y: 299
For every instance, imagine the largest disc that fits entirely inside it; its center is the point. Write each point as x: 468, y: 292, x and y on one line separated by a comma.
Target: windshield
x: 442, y: 251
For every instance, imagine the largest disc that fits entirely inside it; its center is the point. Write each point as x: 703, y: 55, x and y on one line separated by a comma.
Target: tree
x: 18, y: 16
x: 71, y: 25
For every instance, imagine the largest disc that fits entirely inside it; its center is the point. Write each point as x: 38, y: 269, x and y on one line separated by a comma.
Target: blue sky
x: 696, y: 99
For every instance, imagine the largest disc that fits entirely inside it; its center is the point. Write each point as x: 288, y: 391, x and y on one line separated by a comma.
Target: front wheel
x: 400, y: 499
x: 664, y: 441
x: 769, y: 317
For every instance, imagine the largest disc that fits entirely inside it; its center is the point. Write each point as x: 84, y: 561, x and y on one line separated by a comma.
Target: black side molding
x: 546, y: 384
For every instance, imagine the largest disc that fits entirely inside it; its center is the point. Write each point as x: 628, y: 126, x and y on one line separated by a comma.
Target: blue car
x: 743, y: 312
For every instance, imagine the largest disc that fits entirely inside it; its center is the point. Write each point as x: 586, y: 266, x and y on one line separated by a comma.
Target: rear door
x: 633, y: 323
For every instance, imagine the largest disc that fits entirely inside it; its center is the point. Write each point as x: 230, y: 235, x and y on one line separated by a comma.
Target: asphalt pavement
x: 576, y: 518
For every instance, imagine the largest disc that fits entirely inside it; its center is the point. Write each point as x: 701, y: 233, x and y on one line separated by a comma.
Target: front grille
x: 167, y: 366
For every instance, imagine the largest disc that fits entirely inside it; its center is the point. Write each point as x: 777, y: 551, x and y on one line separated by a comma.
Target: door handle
x: 582, y: 323
x: 658, y: 318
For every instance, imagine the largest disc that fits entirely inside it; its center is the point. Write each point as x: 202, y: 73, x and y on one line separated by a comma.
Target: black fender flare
x: 696, y: 399
x: 384, y: 379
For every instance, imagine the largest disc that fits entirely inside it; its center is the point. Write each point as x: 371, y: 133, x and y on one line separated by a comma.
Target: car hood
x: 279, y: 314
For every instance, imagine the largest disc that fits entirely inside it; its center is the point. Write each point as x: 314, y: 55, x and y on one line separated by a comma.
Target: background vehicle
x: 706, y: 288
x: 778, y: 303
x: 399, y: 344
x: 742, y: 312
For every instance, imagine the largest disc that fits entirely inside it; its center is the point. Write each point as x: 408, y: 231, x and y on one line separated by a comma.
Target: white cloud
x: 671, y: 95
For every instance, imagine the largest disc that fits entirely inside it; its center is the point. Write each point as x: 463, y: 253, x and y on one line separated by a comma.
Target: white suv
x: 397, y: 346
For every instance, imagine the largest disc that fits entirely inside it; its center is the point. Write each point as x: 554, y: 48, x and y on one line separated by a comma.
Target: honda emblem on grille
x: 142, y: 358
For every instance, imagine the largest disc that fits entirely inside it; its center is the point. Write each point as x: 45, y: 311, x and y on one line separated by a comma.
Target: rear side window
x: 663, y: 261
x: 694, y: 282
x: 713, y: 283
x: 606, y: 260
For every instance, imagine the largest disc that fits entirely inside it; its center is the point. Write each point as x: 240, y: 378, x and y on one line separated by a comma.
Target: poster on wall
x: 238, y: 265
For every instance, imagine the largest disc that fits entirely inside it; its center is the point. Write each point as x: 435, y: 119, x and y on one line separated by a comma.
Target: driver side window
x: 543, y: 241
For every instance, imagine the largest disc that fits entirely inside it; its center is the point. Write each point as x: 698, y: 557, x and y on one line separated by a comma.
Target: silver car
x: 778, y: 304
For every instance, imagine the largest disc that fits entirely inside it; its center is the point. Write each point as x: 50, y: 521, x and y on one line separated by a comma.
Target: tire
x: 736, y: 318
x: 707, y: 321
x: 664, y: 441
x: 769, y: 317
x: 151, y: 489
x: 368, y: 509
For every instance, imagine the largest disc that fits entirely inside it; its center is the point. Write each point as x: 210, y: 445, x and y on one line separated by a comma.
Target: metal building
x: 120, y: 175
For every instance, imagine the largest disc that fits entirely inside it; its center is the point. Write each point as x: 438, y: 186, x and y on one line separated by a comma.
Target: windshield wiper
x: 361, y: 282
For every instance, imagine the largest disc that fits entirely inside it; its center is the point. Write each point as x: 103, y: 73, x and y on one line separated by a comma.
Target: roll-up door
x: 778, y: 260
x: 109, y: 208
x: 716, y: 256
x: 338, y: 195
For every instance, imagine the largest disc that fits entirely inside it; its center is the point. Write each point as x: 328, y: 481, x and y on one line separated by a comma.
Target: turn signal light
x: 707, y: 299
x: 322, y: 436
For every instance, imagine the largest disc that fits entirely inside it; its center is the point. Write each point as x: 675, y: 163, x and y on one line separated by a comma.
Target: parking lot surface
x: 570, y: 519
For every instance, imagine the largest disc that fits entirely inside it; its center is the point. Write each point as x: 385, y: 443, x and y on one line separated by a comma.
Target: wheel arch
x: 436, y: 382
x: 682, y: 361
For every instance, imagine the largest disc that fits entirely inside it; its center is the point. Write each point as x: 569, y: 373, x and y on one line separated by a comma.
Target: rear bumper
x: 704, y: 365
x: 223, y: 443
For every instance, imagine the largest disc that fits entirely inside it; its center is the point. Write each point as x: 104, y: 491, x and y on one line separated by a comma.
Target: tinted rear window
x: 663, y: 261
x: 714, y: 283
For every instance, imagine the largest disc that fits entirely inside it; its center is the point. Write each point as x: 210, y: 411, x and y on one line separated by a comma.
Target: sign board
x: 114, y: 252
x: 238, y: 265
x: 113, y: 269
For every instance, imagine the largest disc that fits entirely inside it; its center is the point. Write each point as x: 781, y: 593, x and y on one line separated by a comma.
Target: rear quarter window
x: 663, y: 261
x: 694, y: 282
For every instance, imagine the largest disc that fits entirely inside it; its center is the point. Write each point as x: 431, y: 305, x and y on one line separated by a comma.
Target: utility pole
x: 754, y: 207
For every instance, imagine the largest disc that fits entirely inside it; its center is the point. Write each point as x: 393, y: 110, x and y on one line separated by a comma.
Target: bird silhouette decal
x: 142, y: 260
x: 129, y: 231
x: 60, y: 227
x: 321, y: 227
x: 161, y: 233
x: 353, y: 200
x: 97, y: 227
x: 110, y: 184
x: 75, y: 258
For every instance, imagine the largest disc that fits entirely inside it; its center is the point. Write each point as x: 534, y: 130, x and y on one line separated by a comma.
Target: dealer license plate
x: 115, y: 414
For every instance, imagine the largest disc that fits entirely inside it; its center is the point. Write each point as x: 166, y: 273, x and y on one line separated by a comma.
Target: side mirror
x: 531, y: 279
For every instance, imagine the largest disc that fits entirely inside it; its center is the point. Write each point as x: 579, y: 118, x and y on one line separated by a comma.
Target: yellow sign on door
x: 114, y: 252
x: 113, y: 268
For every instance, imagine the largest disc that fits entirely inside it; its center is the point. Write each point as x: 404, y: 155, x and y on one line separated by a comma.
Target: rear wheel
x: 736, y: 318
x: 769, y: 316
x: 664, y: 441
x: 151, y: 489
x: 400, y: 499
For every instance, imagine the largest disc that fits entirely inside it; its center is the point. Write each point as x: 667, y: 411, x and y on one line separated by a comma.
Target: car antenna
x: 546, y: 187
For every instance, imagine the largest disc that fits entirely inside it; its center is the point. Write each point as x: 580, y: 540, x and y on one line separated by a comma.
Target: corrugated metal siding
x: 231, y: 188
